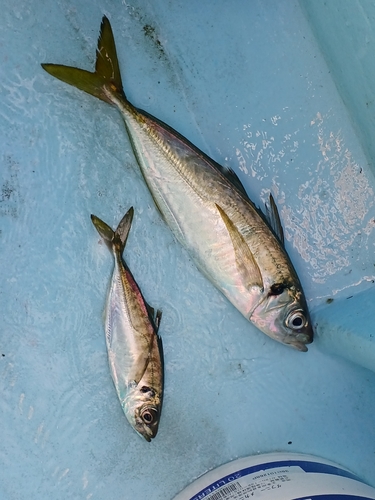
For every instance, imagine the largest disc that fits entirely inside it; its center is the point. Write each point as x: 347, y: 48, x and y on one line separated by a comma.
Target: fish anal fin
x: 245, y: 261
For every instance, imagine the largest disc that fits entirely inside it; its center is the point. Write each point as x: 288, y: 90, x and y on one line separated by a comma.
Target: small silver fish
x: 207, y: 209
x: 135, y: 351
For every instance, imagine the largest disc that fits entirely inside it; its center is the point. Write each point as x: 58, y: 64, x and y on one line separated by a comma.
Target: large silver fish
x: 135, y: 352
x: 207, y: 209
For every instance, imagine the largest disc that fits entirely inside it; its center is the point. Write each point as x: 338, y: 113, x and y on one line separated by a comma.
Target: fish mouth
x: 149, y: 434
x: 146, y: 433
x: 298, y: 341
x: 304, y: 338
x: 300, y: 346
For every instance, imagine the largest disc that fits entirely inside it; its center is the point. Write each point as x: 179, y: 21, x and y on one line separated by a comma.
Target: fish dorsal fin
x: 161, y: 354
x: 150, y: 310
x: 274, y: 219
x: 245, y: 261
x: 156, y: 318
x: 232, y: 177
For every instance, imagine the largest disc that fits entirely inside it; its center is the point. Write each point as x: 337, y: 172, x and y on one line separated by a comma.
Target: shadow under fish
x: 135, y: 352
x: 207, y: 209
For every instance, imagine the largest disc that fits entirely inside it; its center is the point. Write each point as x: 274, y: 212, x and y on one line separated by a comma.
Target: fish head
x: 143, y: 412
x: 283, y: 315
x: 146, y: 421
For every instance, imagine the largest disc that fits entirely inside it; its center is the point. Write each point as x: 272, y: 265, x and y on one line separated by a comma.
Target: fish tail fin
x: 122, y: 231
x: 106, y: 79
x: 115, y: 240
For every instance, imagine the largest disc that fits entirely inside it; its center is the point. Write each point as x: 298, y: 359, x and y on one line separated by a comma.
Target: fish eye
x: 296, y: 320
x: 148, y: 416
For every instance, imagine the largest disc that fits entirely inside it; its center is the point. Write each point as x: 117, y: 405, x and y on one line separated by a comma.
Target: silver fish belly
x: 210, y: 215
x: 134, y: 348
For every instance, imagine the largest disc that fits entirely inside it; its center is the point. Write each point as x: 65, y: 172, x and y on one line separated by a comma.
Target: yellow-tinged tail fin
x: 115, y: 240
x: 107, y: 71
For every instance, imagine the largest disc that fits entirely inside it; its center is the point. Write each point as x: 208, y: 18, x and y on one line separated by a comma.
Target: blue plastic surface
x: 248, y: 83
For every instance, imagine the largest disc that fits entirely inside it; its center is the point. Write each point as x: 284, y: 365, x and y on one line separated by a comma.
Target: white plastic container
x: 278, y: 476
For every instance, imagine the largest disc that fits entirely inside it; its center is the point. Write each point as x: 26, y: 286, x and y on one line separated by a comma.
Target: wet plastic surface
x: 251, y: 88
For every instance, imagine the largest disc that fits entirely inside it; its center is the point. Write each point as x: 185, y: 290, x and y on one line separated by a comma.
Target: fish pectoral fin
x: 274, y: 219
x: 139, y: 367
x: 245, y: 261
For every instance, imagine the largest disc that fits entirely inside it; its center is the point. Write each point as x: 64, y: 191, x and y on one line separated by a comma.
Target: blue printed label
x: 263, y: 479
